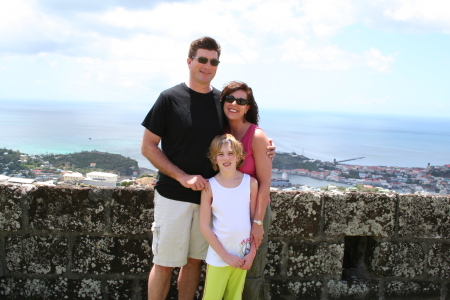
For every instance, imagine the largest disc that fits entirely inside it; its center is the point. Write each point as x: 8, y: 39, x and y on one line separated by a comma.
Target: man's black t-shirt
x: 187, y: 122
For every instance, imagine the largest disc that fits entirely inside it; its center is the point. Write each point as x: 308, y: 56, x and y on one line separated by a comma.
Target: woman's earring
x: 244, y: 116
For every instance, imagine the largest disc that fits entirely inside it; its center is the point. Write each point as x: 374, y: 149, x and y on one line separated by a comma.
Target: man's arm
x: 153, y: 153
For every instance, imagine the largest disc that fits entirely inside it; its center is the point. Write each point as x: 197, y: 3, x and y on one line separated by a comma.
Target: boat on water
x: 280, y: 182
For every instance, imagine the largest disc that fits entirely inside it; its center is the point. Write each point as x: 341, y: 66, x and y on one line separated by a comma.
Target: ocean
x: 39, y: 127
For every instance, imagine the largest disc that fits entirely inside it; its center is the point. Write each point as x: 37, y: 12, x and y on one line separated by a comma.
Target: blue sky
x: 362, y: 56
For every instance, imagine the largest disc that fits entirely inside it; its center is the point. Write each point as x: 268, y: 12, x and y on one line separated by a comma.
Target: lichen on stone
x: 359, y: 214
x: 424, y: 216
x: 309, y: 259
x: 398, y: 259
x: 439, y: 260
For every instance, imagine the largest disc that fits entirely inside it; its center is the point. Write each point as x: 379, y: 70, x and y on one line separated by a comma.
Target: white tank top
x: 230, y: 220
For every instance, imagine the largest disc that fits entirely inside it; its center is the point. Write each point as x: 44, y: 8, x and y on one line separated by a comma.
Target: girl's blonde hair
x: 217, y: 143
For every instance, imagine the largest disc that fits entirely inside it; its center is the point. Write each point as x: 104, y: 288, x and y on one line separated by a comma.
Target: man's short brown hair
x: 205, y: 42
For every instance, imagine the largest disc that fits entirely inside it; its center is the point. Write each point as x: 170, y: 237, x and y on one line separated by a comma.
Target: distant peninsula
x: 292, y: 161
x: 84, y: 161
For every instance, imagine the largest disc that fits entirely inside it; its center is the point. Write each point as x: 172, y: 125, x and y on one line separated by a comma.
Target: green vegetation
x: 292, y: 161
x: 9, y: 160
x: 145, y: 175
x: 11, y: 163
x: 351, y: 174
x: 361, y: 188
x: 104, y: 161
x: 333, y: 187
x: 358, y: 188
x: 440, y: 173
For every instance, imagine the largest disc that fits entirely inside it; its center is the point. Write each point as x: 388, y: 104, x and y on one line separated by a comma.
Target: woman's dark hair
x: 252, y: 114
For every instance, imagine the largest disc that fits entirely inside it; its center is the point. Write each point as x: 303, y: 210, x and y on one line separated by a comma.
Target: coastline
x: 303, y: 180
x: 432, y: 180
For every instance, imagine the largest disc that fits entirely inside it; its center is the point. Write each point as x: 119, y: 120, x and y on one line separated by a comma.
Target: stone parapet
x: 424, y: 217
x: 95, y: 243
x: 350, y: 214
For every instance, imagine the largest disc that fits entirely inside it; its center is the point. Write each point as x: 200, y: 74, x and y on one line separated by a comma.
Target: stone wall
x: 95, y: 243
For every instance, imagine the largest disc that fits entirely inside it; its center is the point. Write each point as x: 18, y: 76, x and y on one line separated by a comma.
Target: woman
x: 241, y: 110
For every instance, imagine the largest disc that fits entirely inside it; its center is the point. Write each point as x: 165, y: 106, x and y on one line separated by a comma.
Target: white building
x: 101, y: 179
x: 107, y: 177
x: 21, y: 180
x: 4, y: 178
x: 46, y: 183
x: 73, y: 177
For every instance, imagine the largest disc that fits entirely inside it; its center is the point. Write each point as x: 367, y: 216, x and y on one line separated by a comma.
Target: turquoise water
x: 382, y: 140
x: 37, y: 127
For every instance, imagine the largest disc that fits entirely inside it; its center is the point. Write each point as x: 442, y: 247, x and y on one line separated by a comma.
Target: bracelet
x: 258, y: 222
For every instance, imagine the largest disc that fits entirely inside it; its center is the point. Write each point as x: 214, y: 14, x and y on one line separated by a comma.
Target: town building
x: 100, y: 179
x: 72, y: 177
x: 4, y: 178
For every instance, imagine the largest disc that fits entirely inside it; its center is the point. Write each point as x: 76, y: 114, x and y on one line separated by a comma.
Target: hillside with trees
x: 104, y: 161
x: 291, y: 161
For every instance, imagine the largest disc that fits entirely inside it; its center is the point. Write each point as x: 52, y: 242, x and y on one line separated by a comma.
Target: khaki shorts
x: 176, y: 233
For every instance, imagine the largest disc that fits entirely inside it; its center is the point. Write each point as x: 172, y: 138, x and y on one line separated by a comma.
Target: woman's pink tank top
x: 249, y: 164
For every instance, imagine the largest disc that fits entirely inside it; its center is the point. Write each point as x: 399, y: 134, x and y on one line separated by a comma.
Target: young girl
x: 230, y: 199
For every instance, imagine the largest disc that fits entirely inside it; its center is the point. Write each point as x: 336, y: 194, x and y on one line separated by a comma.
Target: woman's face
x: 234, y: 111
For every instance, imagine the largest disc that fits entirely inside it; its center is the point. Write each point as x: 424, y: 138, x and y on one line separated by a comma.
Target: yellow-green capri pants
x: 224, y: 283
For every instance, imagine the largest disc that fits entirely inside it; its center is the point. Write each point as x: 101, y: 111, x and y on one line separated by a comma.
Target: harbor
x: 284, y: 180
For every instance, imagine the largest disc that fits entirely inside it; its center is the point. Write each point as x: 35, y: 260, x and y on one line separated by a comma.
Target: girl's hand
x: 234, y: 261
x: 248, y: 261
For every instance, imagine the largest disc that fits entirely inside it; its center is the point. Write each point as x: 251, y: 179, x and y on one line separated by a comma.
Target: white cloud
x: 150, y: 44
x: 436, y: 12
x: 330, y: 57
x: 25, y: 29
x: 327, y: 57
x: 176, y: 20
x: 376, y: 60
x: 327, y: 17
x: 411, y: 15
x: 142, y: 47
x: 134, y: 63
x: 275, y: 17
x: 13, y: 14
x: 201, y: 18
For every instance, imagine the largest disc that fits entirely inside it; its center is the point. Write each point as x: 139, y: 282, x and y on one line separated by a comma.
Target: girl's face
x: 234, y: 111
x: 226, y: 160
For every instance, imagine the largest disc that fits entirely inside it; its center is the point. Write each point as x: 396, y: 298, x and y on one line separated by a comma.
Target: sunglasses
x: 239, y: 101
x: 203, y: 60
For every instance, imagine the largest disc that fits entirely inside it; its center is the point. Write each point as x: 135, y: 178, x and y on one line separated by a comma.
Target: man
x: 185, y: 118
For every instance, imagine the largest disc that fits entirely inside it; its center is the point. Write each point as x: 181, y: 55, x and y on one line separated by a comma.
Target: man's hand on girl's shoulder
x: 194, y: 182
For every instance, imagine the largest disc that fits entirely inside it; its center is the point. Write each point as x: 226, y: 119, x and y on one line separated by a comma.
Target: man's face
x: 202, y: 73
